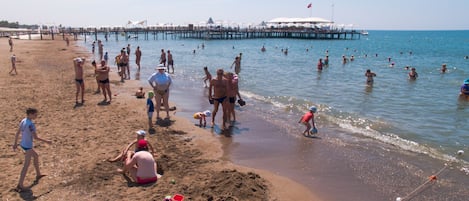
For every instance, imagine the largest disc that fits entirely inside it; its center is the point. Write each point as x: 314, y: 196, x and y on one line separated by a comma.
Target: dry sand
x: 84, y: 137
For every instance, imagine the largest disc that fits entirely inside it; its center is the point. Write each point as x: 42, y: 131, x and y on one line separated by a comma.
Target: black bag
x: 241, y: 102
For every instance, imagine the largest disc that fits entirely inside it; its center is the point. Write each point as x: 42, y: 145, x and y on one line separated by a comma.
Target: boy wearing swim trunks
x: 309, y: 116
x: 28, y: 133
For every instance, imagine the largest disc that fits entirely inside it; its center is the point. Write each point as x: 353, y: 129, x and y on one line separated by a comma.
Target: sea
x: 422, y: 118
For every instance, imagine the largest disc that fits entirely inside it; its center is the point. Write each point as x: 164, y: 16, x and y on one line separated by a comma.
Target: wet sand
x: 85, y: 136
x: 336, y: 165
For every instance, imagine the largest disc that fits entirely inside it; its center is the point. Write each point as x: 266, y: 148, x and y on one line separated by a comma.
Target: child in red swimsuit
x: 309, y: 116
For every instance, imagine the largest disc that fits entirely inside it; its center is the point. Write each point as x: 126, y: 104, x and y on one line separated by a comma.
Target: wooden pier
x: 203, y: 33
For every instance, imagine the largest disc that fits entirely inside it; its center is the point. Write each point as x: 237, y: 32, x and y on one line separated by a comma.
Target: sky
x: 362, y: 14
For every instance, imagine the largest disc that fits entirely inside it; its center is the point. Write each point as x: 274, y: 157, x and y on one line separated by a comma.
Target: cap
x: 78, y: 60
x: 151, y: 94
x: 141, y: 132
x: 160, y: 67
x: 466, y: 81
x: 142, y: 143
x: 312, y: 109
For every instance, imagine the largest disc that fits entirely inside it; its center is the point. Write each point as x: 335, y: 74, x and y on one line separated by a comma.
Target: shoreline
x: 82, y: 138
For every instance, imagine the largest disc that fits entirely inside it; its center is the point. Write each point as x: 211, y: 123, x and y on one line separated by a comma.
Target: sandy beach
x: 189, y: 158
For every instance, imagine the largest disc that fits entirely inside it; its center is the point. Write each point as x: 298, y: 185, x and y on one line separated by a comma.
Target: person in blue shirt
x: 28, y: 133
x: 150, y: 108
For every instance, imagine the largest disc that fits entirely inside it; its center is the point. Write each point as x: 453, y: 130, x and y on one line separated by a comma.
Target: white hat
x: 78, y: 60
x: 160, y: 67
x: 141, y: 132
x: 207, y: 113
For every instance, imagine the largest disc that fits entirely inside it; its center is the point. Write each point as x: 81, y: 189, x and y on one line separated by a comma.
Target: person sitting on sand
x: 201, y: 116
x: 140, y: 93
x: 208, y: 76
x: 141, y: 165
x: 140, y: 136
x: 305, y: 120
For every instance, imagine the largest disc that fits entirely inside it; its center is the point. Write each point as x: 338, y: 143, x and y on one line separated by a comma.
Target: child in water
x: 208, y: 76
x: 305, y: 120
x: 201, y: 116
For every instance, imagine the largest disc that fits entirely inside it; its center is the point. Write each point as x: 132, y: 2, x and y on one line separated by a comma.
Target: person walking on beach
x: 150, y: 109
x: 413, y: 74
x: 80, y: 83
x: 208, y: 77
x: 160, y: 82
x: 220, y: 89
x: 103, y: 79
x: 13, y: 64
x: 92, y: 46
x: 369, y: 76
x: 170, y: 61
x: 163, y: 58
x: 138, y: 57
x: 67, y: 41
x: 233, y: 93
x: 106, y: 57
x: 10, y: 42
x: 309, y: 116
x: 28, y: 134
x: 237, y: 65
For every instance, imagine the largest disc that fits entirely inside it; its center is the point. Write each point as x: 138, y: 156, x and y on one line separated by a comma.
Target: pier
x: 184, y: 32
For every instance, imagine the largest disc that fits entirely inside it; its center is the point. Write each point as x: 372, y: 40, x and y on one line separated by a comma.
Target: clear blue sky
x: 364, y: 14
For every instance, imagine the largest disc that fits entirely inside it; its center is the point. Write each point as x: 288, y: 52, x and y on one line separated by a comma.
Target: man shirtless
x: 78, y: 65
x: 233, y: 94
x: 220, y: 89
x: 170, y: 61
x: 103, y: 79
x: 163, y: 58
x: 123, y: 64
x: 138, y: 57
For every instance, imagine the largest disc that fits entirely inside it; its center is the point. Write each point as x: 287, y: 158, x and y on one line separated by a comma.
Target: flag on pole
x: 309, y: 5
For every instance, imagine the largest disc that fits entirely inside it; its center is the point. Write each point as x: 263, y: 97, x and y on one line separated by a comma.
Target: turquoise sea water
x: 423, y: 116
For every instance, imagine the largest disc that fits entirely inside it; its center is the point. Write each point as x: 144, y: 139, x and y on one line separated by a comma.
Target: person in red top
x: 309, y: 116
x: 320, y: 64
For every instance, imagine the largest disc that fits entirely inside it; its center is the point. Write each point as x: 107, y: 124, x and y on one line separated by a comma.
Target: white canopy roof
x: 310, y: 20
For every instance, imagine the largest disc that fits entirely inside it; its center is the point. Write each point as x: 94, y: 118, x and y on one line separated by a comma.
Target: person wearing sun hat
x: 160, y: 82
x: 465, y: 88
x: 305, y: 121
x: 141, y: 165
x: 140, y: 136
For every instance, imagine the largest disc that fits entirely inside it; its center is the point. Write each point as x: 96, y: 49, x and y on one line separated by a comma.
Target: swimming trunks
x: 146, y: 180
x: 106, y: 81
x: 80, y: 81
x: 220, y: 100
x: 232, y: 99
x: 170, y: 62
x: 24, y: 148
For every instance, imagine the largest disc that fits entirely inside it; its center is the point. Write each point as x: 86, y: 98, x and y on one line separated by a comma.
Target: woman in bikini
x: 369, y: 77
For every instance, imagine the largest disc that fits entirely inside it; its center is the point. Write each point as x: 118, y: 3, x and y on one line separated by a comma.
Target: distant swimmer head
x: 312, y: 109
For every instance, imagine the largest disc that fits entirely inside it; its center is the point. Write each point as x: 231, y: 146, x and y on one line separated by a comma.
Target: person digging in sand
x: 305, y: 120
x: 141, y: 165
x: 140, y: 136
x: 201, y: 116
